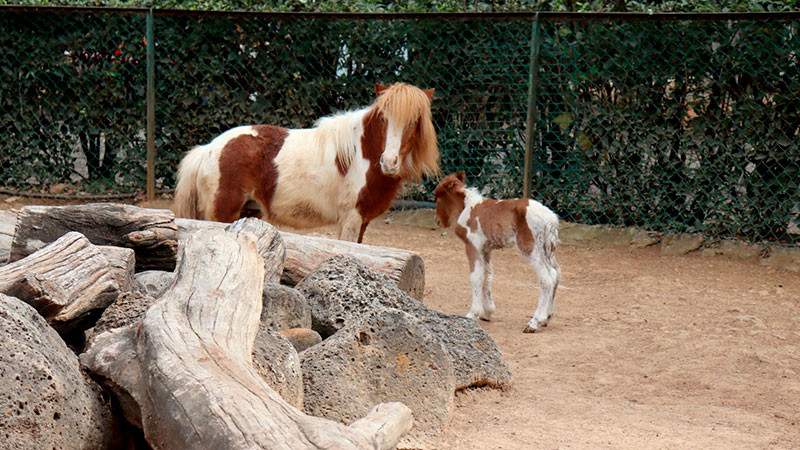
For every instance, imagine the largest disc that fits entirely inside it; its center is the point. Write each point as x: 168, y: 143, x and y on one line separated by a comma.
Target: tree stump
x: 151, y: 233
x: 188, y: 364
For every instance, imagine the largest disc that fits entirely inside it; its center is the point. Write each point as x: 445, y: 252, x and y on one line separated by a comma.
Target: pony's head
x: 450, y: 195
x: 410, y: 149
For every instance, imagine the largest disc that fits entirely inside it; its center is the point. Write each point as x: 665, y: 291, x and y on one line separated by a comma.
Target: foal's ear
x: 461, y: 175
x: 429, y: 93
x: 380, y: 88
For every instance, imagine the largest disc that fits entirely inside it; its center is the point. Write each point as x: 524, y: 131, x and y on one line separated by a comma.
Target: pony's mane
x: 338, y: 131
x: 410, y: 105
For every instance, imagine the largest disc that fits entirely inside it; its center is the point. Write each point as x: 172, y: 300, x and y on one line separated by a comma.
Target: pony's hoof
x: 486, y: 317
x: 470, y: 315
x: 528, y: 329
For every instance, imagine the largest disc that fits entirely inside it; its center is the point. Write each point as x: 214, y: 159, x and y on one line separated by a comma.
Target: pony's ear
x: 380, y: 88
x: 429, y: 93
x: 461, y: 175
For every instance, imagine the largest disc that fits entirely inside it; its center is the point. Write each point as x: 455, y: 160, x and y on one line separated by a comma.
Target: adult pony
x: 346, y: 170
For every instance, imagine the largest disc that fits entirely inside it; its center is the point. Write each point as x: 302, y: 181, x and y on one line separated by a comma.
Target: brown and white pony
x: 346, y: 170
x: 485, y: 225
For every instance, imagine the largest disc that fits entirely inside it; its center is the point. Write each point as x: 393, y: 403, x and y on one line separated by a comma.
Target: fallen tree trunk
x: 66, y: 281
x: 305, y: 253
x: 151, y: 233
x: 7, y: 221
x: 187, y: 365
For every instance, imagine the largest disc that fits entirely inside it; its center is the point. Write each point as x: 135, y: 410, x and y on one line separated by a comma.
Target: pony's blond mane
x: 410, y: 105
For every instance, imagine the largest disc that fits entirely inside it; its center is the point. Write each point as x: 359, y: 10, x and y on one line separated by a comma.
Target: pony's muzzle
x: 390, y: 166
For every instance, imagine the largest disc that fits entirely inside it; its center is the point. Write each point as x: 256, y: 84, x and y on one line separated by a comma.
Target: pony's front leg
x: 349, y: 226
x: 477, y: 268
x: 488, y: 301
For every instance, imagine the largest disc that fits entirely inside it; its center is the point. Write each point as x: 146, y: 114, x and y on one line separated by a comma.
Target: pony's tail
x: 186, y: 199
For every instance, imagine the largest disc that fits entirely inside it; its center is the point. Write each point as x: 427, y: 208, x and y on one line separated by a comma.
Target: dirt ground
x: 646, y: 351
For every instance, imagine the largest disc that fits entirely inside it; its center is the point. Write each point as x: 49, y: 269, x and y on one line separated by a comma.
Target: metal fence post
x: 151, y: 100
x: 533, y: 93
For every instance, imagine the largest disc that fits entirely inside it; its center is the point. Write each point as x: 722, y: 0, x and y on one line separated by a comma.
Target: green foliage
x: 677, y: 126
x: 441, y: 5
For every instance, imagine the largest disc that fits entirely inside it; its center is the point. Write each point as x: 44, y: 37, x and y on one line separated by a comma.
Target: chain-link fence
x: 674, y: 123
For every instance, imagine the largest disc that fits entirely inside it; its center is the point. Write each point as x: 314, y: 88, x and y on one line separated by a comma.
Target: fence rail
x: 673, y: 122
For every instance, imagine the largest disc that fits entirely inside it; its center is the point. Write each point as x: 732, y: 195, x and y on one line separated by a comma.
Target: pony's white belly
x: 310, y: 191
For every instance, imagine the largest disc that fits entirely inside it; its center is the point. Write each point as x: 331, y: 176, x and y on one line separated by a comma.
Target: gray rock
x: 153, y: 282
x: 301, y: 338
x: 127, y: 309
x: 45, y: 399
x: 388, y: 355
x: 681, y: 244
x: 342, y: 289
x: 276, y: 360
x: 284, y: 308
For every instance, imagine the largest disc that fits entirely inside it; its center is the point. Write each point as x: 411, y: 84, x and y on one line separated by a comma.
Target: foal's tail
x: 549, y: 244
x: 186, y: 198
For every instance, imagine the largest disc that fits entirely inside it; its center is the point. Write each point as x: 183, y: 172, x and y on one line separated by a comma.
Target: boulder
x: 127, y: 309
x: 387, y: 355
x: 301, y: 338
x: 342, y: 289
x: 277, y: 362
x: 45, y: 399
x: 153, y: 282
x: 284, y: 308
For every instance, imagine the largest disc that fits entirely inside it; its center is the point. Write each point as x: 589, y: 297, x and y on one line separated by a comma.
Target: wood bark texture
x: 151, y: 233
x: 188, y: 364
x: 305, y: 253
x: 65, y: 281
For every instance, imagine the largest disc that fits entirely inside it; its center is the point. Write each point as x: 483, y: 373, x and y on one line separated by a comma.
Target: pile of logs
x: 183, y: 372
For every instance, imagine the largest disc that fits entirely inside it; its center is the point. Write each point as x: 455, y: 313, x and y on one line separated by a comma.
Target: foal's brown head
x: 450, y: 196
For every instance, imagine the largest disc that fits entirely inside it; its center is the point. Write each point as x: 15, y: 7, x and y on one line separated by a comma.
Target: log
x: 68, y: 281
x: 305, y: 253
x: 122, y: 262
x: 7, y: 221
x: 269, y: 243
x: 151, y: 233
x: 187, y: 365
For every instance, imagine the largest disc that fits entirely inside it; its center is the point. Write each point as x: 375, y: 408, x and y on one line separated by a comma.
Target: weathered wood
x: 188, y: 364
x: 66, y: 281
x: 305, y: 253
x: 151, y: 233
x: 122, y: 262
x: 269, y: 243
x: 7, y: 221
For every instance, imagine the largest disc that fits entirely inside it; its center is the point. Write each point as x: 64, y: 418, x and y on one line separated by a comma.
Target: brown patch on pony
x: 247, y: 164
x: 377, y: 194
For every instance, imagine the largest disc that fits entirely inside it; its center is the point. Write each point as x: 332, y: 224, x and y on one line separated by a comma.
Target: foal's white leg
x: 348, y: 226
x: 476, y: 278
x: 488, y: 301
x: 548, y: 280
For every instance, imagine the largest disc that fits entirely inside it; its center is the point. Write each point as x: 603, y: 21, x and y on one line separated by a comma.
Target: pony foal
x: 485, y: 225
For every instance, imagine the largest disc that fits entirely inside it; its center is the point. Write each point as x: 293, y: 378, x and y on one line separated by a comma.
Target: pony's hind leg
x: 228, y: 205
x: 548, y: 280
x: 487, y: 300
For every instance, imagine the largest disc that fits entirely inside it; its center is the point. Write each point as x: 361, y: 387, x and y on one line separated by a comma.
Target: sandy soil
x: 646, y: 351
